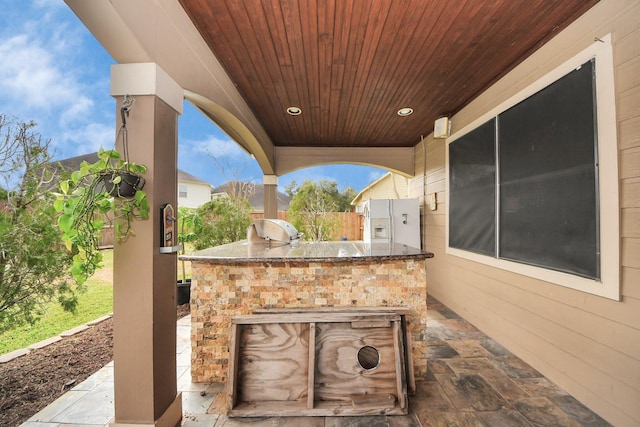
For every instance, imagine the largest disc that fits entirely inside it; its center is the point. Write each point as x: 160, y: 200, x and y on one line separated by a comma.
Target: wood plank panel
x: 351, y: 226
x: 233, y: 367
x: 343, y: 311
x: 295, y: 411
x: 273, y: 362
x: 285, y: 65
x: 404, y: 320
x: 372, y: 34
x: 399, y: 351
x: 391, y: 59
x: 351, y: 65
x: 311, y: 372
x: 315, y: 316
x: 339, y: 376
x: 352, y: 41
x: 357, y: 357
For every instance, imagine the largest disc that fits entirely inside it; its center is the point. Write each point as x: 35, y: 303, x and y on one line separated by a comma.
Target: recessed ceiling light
x: 406, y: 111
x: 294, y: 111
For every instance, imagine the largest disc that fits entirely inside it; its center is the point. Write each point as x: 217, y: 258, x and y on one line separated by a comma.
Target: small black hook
x: 124, y: 113
x: 126, y: 107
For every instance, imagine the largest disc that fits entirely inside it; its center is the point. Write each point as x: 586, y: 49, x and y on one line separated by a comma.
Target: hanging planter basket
x: 86, y: 202
x: 123, y: 184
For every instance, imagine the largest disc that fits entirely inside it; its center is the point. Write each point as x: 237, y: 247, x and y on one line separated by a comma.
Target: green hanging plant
x: 108, y: 191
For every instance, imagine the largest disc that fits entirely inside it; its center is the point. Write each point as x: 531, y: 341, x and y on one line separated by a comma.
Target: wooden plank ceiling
x: 351, y: 64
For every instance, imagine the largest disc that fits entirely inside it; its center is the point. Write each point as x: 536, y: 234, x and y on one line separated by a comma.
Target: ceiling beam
x: 396, y: 159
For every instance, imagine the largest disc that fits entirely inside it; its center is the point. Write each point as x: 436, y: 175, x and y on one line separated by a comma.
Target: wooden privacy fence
x: 352, y: 225
x: 107, y: 237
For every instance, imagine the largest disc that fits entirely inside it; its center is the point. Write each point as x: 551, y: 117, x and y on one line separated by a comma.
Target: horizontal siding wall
x: 588, y: 345
x: 391, y: 186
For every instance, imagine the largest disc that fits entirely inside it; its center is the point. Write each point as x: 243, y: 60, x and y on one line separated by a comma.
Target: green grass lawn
x: 96, y: 302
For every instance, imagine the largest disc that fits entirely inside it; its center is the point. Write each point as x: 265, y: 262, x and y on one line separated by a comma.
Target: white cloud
x: 220, y: 148
x: 217, y: 160
x: 87, y: 139
x: 32, y: 80
x: 52, y: 73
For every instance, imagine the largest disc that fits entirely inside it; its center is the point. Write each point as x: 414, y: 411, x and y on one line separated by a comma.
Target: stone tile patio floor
x: 472, y: 381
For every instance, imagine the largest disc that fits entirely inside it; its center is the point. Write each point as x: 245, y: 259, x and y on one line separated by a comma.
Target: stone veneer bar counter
x: 238, y: 278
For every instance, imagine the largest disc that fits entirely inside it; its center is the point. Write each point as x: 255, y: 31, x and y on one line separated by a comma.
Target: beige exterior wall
x: 390, y: 186
x: 197, y: 194
x: 588, y: 345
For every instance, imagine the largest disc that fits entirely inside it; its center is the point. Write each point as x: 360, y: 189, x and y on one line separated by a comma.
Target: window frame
x: 608, y: 285
x: 181, y: 192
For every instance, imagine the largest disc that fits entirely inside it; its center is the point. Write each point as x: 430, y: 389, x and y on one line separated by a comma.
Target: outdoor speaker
x: 441, y: 128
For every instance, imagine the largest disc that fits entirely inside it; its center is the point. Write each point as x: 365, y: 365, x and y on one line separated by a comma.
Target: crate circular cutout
x: 368, y: 358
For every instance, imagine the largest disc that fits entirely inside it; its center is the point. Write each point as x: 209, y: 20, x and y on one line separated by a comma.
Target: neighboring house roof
x: 388, y: 186
x: 187, y: 177
x: 73, y: 163
x: 255, y: 195
x: 69, y: 165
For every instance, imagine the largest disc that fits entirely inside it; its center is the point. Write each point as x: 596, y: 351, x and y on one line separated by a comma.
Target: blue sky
x: 54, y: 72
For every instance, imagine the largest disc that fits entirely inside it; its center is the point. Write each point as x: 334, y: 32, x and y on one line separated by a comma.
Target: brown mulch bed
x: 31, y: 382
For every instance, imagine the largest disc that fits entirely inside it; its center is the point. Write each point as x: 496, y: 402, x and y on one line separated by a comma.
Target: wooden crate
x: 405, y: 317
x: 317, y: 364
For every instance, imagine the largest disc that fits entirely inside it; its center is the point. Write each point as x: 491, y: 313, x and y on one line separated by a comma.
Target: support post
x: 144, y: 279
x: 270, y: 183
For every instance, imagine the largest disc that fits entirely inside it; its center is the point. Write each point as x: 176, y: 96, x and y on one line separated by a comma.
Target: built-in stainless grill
x: 272, y: 231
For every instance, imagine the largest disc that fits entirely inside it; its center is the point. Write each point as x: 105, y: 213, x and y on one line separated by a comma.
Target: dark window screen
x: 548, y: 197
x: 472, y: 186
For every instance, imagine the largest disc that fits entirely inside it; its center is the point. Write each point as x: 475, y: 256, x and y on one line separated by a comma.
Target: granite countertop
x: 341, y: 251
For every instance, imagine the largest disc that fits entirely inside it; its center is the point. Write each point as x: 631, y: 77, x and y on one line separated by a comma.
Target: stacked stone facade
x: 223, y: 290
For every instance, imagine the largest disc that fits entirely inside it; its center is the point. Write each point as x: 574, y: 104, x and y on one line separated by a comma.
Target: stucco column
x: 270, y: 183
x: 144, y: 279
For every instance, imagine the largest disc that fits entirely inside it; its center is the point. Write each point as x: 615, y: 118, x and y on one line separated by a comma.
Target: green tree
x: 224, y: 220
x: 33, y: 262
x: 313, y: 210
x: 344, y: 199
x: 291, y: 188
